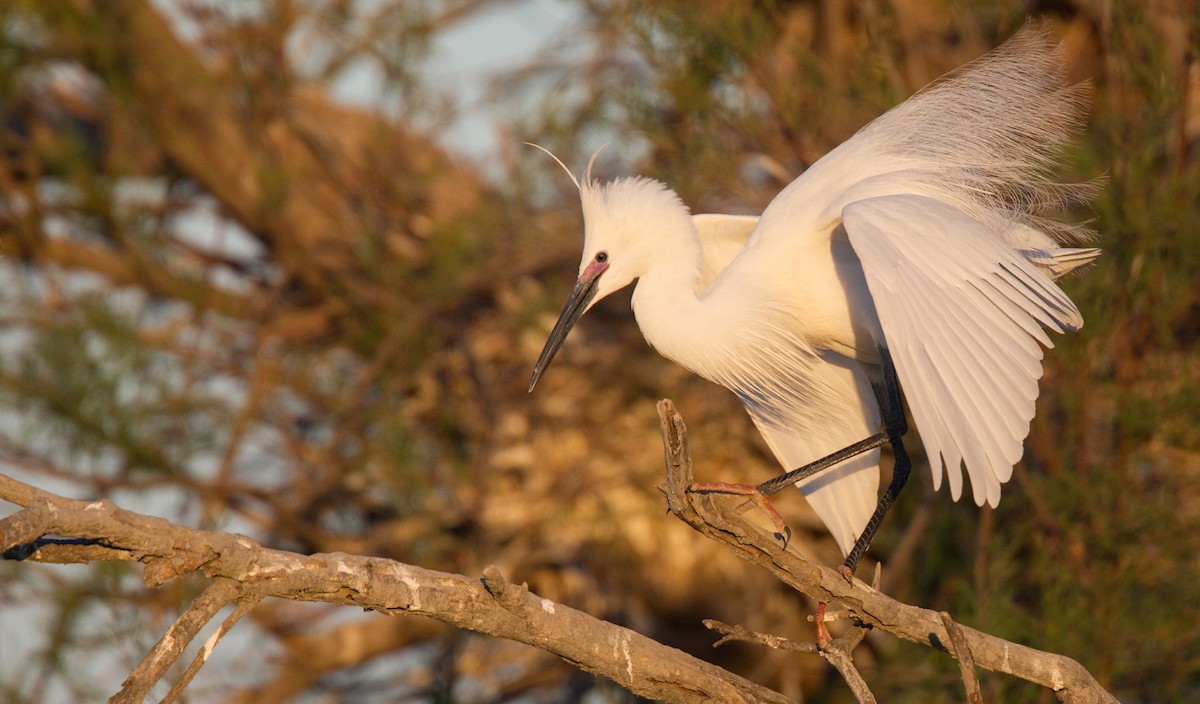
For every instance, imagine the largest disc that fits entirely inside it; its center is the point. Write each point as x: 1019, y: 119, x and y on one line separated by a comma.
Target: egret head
x: 621, y: 221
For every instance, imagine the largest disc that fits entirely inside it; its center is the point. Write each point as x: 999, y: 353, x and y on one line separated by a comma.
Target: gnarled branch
x: 1066, y: 677
x: 50, y: 528
x: 244, y: 572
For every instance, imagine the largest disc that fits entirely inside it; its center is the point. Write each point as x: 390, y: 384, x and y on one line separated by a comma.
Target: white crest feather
x: 587, y: 174
x: 558, y: 161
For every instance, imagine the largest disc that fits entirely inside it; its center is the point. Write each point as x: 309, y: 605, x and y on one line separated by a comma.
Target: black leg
x: 895, y: 426
x: 774, y: 486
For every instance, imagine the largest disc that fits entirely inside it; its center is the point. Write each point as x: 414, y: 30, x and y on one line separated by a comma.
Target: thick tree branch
x: 243, y: 571
x: 719, y: 521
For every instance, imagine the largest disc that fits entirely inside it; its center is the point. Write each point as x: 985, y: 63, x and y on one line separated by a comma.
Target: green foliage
x: 88, y: 386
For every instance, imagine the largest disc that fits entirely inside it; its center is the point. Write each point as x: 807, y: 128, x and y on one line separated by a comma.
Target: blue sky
x: 467, y: 59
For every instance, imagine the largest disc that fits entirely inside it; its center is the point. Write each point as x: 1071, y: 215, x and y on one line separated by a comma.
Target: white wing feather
x: 843, y: 496
x: 846, y: 505
x: 962, y: 313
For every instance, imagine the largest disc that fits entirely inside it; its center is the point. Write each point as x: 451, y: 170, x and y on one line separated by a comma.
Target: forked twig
x: 245, y: 606
x: 170, y: 647
x: 730, y: 633
x: 837, y: 654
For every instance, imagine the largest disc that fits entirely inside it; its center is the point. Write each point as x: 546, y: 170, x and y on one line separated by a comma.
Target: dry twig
x: 966, y: 662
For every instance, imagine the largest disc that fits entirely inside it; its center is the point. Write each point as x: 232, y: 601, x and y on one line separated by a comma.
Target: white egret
x: 912, y: 256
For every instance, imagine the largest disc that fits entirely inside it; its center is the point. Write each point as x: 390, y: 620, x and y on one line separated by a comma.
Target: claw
x: 754, y: 497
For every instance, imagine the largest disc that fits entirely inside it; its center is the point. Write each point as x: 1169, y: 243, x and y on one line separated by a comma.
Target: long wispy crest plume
x: 559, y: 162
x: 587, y: 174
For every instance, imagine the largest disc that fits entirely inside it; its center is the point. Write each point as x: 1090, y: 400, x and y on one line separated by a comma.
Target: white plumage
x: 922, y: 234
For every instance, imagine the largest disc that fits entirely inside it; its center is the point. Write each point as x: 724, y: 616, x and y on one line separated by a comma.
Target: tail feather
x: 1058, y: 262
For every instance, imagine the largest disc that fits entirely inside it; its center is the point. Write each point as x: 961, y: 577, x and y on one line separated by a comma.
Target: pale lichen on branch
x: 242, y: 573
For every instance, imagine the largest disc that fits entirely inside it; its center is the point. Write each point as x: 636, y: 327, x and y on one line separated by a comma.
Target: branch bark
x: 966, y: 661
x: 221, y: 593
x: 243, y: 572
x: 1066, y: 677
x: 50, y: 528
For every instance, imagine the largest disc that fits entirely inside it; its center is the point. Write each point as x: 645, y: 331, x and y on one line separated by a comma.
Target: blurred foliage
x: 234, y: 302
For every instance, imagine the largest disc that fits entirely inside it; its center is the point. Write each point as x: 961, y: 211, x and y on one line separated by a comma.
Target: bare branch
x: 1066, y: 677
x: 244, y: 607
x: 731, y: 633
x: 966, y: 662
x: 242, y: 570
x: 170, y: 647
x: 842, y: 661
x: 838, y: 654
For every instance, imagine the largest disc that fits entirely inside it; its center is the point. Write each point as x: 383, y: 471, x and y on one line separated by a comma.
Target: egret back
x: 721, y: 238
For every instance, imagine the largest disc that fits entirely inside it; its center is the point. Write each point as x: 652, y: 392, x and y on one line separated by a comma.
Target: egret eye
x: 601, y: 257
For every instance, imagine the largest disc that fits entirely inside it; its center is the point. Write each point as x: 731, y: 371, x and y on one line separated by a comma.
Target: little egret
x: 914, y: 256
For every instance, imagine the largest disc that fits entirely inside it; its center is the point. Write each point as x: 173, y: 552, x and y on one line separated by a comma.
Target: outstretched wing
x: 962, y: 313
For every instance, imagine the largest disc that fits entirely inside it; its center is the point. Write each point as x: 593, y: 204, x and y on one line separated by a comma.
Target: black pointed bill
x: 581, y: 298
